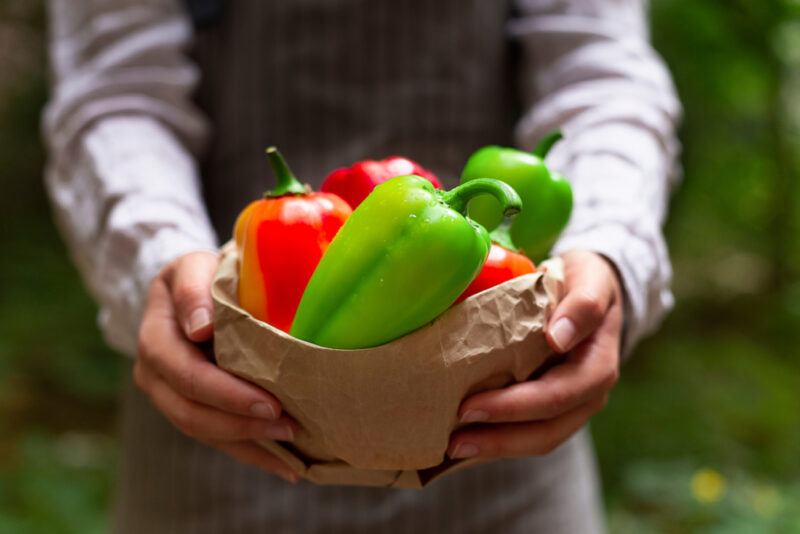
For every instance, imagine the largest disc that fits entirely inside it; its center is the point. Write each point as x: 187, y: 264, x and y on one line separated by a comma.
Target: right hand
x: 200, y: 399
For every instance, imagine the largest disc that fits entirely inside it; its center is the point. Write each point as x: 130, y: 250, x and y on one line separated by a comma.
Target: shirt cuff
x: 644, y: 275
x: 119, y: 318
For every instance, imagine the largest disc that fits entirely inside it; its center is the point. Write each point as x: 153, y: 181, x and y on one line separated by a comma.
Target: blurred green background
x: 703, y: 432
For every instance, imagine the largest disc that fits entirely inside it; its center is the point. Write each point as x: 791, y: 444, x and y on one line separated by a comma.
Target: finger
x: 163, y: 349
x: 509, y: 440
x: 589, y: 293
x: 207, y: 424
x: 189, y: 281
x: 589, y: 371
x: 252, y: 454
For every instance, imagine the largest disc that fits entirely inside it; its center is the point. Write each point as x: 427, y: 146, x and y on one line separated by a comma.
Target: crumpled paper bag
x: 382, y: 416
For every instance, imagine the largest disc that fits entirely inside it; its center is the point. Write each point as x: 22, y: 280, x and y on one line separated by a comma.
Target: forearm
x: 591, y: 72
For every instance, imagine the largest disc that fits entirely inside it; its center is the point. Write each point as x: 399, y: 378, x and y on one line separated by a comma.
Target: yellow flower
x: 708, y: 486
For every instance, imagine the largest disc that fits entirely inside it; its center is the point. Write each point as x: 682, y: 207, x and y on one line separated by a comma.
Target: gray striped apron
x: 331, y: 82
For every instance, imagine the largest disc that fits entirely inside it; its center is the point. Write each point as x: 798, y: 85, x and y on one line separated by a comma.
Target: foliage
x: 675, y: 497
x: 61, y: 483
x: 717, y: 387
x: 58, y: 382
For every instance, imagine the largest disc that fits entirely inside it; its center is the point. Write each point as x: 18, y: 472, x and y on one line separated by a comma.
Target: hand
x: 200, y: 399
x: 533, y: 418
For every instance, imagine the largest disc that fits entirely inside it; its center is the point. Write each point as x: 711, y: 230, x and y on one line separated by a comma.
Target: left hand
x: 533, y: 418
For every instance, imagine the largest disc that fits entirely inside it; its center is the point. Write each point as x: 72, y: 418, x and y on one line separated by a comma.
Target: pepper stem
x: 287, y: 182
x: 502, y: 236
x: 546, y: 143
x: 458, y: 197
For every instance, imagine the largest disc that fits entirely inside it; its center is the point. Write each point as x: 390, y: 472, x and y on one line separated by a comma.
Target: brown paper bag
x: 382, y: 416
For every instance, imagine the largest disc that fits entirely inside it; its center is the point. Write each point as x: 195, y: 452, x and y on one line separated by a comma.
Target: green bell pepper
x: 401, y: 259
x: 546, y: 195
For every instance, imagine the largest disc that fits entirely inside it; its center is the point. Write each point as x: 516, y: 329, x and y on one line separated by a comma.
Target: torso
x: 331, y: 82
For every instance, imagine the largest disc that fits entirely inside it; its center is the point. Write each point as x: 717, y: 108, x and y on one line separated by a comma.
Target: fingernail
x: 200, y: 318
x: 279, y: 432
x: 465, y: 450
x: 263, y: 410
x: 475, y: 416
x: 563, y: 333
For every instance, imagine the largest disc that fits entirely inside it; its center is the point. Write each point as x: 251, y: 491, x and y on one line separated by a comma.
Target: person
x: 154, y: 148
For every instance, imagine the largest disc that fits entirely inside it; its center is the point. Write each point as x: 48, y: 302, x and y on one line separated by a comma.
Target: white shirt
x: 124, y: 136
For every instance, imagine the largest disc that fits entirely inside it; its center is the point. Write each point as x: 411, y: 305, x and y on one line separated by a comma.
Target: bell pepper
x: 547, y: 196
x: 354, y: 183
x: 401, y: 259
x: 280, y: 239
x: 501, y: 265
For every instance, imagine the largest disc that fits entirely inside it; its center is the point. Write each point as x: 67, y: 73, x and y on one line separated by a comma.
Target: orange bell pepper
x: 280, y: 239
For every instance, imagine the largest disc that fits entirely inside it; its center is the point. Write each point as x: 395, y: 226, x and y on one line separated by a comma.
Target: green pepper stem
x: 458, y: 197
x: 546, y: 143
x: 502, y: 236
x: 287, y: 182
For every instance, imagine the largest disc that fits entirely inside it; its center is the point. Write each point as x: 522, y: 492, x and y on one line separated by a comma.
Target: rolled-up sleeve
x: 587, y: 68
x: 122, y: 136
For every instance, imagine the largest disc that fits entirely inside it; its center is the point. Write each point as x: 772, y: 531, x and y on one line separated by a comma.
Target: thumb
x: 189, y: 282
x: 589, y: 294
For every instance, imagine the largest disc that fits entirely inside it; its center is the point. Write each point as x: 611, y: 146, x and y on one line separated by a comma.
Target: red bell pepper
x: 501, y: 265
x: 354, y: 183
x: 280, y: 239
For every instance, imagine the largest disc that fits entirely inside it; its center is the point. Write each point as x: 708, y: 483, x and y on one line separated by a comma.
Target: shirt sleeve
x: 587, y: 68
x: 121, y: 133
